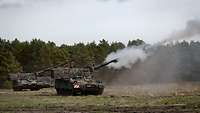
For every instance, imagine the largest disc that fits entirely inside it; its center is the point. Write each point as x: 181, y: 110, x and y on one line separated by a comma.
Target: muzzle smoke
x: 130, y: 55
x: 127, y: 57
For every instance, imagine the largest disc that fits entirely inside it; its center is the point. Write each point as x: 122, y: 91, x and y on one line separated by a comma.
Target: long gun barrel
x: 106, y: 63
x: 49, y: 68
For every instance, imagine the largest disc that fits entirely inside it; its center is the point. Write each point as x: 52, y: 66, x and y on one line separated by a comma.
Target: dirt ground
x: 150, y: 98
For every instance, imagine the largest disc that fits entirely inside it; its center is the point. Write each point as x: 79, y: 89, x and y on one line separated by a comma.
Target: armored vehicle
x: 22, y: 81
x: 30, y: 81
x: 73, y: 81
x: 66, y: 80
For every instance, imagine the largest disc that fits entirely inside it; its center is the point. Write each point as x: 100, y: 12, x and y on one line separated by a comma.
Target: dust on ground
x: 158, y: 89
x: 150, y: 98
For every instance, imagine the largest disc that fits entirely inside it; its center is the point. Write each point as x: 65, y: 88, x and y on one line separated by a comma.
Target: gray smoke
x: 155, y: 63
x: 130, y: 55
x: 127, y: 57
x: 191, y: 30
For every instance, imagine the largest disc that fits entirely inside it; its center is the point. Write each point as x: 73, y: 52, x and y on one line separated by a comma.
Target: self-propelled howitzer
x: 72, y: 81
x: 30, y: 81
x: 33, y: 81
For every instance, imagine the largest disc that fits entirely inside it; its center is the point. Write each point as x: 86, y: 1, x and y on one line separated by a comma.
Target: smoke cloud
x: 130, y: 55
x: 127, y: 57
x: 156, y: 62
x: 191, y: 30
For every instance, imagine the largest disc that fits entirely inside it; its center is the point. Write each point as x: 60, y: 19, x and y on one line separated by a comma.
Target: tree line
x: 16, y: 56
x: 34, y: 55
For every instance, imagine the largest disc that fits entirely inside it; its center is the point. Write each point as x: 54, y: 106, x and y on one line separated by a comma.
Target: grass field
x: 157, y: 98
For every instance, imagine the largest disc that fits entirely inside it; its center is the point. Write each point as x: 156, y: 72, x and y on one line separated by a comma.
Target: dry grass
x: 186, y: 94
x: 164, y: 89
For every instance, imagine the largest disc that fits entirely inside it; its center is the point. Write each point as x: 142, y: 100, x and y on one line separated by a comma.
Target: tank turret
x: 72, y: 81
x: 33, y: 81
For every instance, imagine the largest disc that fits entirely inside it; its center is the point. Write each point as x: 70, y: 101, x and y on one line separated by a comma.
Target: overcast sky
x: 71, y: 21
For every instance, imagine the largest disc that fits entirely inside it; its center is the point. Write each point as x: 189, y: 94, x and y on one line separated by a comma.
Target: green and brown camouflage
x: 30, y: 81
x: 66, y: 80
x: 73, y: 81
x: 33, y: 81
